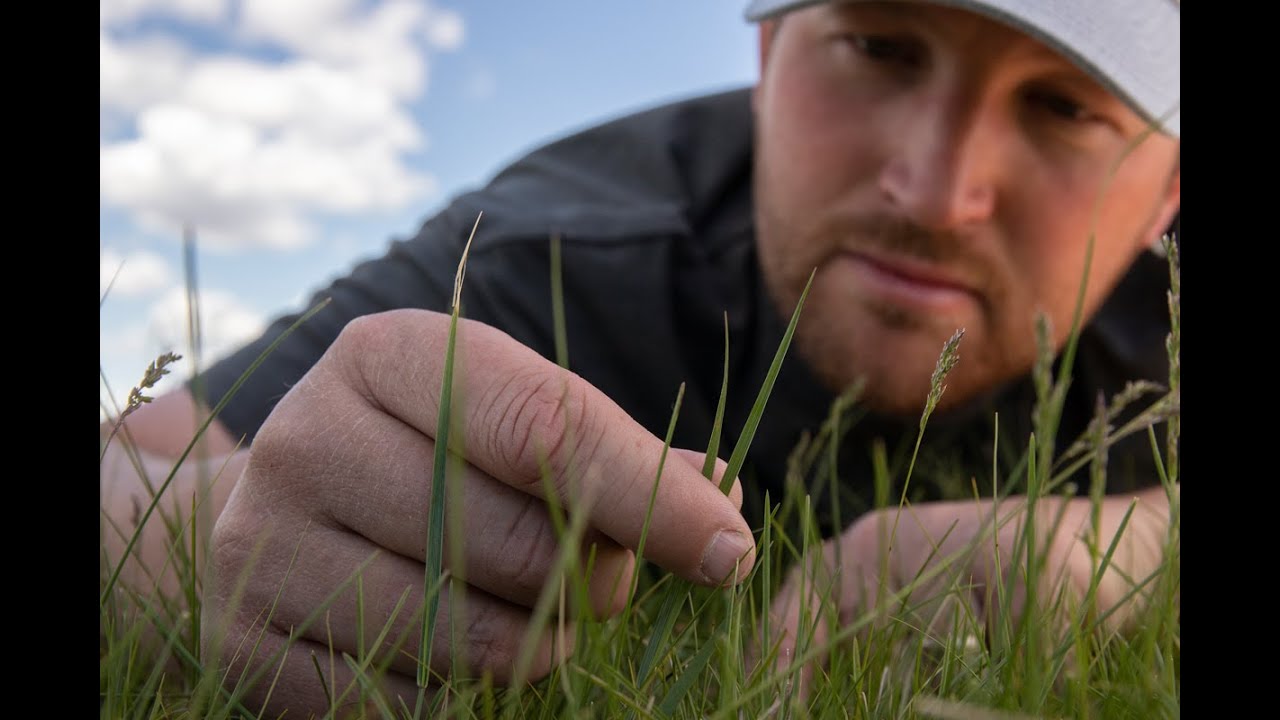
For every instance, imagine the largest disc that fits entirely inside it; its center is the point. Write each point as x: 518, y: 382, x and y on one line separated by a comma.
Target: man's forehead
x: 1131, y: 47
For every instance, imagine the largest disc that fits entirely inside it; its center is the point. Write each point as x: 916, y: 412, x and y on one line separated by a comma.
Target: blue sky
x: 300, y: 136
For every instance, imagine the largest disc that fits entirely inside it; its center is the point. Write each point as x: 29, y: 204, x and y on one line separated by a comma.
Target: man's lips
x: 916, y: 271
x: 909, y: 281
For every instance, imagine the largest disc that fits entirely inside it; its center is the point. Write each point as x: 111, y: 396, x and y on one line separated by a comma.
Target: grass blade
x: 662, y: 626
x: 675, y: 595
x: 753, y: 420
x: 713, y: 446
x: 691, y: 673
x: 435, y: 514
x: 653, y: 496
x: 557, y: 305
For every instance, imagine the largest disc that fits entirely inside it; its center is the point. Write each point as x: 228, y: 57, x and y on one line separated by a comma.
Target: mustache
x: 899, y: 236
x: 962, y: 253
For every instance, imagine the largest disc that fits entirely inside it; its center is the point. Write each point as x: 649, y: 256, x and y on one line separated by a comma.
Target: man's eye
x: 887, y: 49
x: 1061, y: 106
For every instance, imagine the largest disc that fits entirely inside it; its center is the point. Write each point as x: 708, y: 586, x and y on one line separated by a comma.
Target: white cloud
x: 308, y: 99
x: 134, y: 75
x: 119, y: 11
x: 139, y: 273
x: 225, y: 323
x: 378, y: 46
x: 247, y: 151
x: 240, y: 184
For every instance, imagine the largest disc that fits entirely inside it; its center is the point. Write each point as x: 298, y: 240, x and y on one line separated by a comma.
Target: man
x: 936, y: 166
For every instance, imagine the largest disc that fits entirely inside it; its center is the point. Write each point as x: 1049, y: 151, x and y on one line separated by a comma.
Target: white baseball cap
x: 1132, y: 47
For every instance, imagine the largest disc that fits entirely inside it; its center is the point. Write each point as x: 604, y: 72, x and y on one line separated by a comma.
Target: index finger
x: 521, y: 415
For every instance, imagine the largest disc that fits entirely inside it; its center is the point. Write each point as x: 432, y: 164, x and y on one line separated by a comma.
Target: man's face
x: 941, y: 171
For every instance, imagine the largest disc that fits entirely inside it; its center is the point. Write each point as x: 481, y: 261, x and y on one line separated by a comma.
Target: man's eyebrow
x: 889, y: 9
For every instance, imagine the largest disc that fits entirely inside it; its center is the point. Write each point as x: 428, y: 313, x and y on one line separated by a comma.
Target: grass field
x: 683, y: 651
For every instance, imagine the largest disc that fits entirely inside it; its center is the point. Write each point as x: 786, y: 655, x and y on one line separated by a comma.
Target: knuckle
x: 364, y: 343
x: 527, y: 547
x: 489, y: 639
x: 280, y: 472
x: 542, y: 417
x: 272, y: 448
x: 367, y: 332
x: 242, y: 648
x: 234, y: 596
x: 227, y: 543
x: 295, y: 429
x: 231, y: 546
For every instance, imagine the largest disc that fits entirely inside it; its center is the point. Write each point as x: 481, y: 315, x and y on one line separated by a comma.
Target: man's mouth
x: 908, y: 282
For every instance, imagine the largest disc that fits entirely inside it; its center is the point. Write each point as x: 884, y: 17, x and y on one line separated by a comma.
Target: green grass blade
x: 557, y: 305
x: 713, y: 446
x: 766, y: 571
x: 653, y: 496
x: 753, y: 420
x: 691, y: 673
x: 324, y: 686
x: 662, y: 626
x: 368, y: 687
x: 435, y: 515
x: 1173, y: 346
x: 611, y: 691
x: 370, y: 655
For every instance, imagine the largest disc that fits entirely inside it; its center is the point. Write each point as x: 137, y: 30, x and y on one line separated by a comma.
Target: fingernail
x: 724, y: 554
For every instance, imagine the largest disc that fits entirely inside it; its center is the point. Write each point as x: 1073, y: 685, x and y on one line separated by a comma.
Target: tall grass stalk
x: 439, y: 475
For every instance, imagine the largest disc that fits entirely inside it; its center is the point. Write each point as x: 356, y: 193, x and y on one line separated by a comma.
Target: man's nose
x: 943, y: 171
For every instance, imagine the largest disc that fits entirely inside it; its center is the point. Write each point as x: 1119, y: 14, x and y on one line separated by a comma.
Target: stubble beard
x: 845, y: 337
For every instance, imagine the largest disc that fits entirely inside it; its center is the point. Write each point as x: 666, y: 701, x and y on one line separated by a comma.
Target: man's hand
x: 340, y: 474
x: 920, y: 564
x: 135, y: 464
